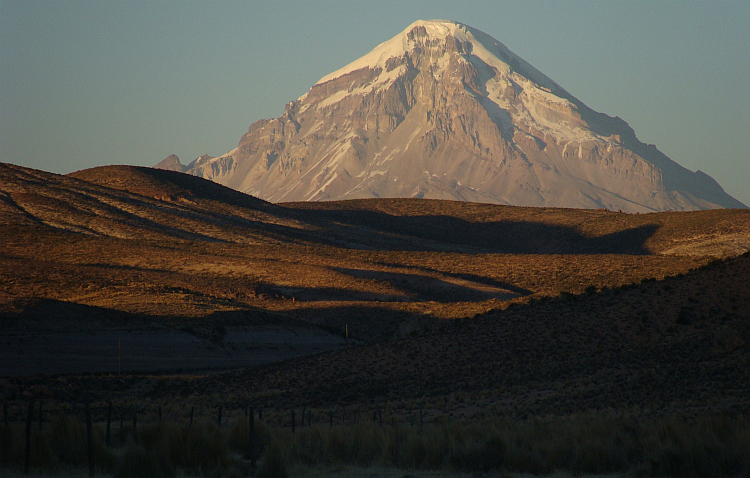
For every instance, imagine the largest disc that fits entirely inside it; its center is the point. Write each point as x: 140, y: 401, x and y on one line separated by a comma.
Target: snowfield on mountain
x: 444, y: 111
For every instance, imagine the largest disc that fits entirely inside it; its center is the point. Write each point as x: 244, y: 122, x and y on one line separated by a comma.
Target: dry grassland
x: 464, y: 315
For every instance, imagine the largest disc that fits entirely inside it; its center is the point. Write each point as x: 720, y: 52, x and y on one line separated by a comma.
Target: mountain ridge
x: 445, y: 111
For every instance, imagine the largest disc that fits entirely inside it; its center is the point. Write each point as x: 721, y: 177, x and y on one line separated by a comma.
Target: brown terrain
x: 458, y: 309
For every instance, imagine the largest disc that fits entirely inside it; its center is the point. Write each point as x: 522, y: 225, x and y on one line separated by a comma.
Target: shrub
x: 272, y: 463
x: 137, y: 462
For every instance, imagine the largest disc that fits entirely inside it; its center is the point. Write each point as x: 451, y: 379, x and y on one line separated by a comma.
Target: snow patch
x: 386, y: 78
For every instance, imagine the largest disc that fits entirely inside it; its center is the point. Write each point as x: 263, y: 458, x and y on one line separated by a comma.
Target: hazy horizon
x: 91, y: 83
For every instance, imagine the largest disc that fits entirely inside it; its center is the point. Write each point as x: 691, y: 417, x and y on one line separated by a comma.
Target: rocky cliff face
x: 445, y: 111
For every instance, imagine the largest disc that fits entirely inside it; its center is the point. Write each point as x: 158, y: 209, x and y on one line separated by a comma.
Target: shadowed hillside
x: 497, y: 301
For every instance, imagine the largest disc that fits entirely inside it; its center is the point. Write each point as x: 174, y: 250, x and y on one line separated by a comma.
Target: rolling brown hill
x: 677, y: 345
x: 199, y: 265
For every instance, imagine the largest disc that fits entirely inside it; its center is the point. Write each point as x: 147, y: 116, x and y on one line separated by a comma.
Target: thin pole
x: 27, y: 459
x: 135, y: 423
x: 251, y: 437
x: 90, y: 439
x: 109, y: 421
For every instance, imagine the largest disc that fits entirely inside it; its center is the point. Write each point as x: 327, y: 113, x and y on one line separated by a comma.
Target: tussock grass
x: 161, y: 449
x: 575, y: 445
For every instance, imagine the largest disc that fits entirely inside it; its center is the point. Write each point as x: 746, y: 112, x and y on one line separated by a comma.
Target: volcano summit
x: 445, y: 111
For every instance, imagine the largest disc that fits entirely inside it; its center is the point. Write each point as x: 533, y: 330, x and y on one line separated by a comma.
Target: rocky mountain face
x: 445, y: 111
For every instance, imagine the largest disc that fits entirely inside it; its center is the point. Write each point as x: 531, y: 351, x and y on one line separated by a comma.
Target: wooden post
x: 293, y: 424
x: 251, y: 437
x: 192, y: 412
x: 135, y: 423
x: 27, y: 456
x: 89, y: 438
x: 219, y: 418
x: 109, y: 422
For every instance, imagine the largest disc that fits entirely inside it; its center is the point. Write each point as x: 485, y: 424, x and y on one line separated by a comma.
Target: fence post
x: 251, y: 437
x: 109, y: 422
x: 89, y: 438
x: 135, y: 423
x: 27, y: 456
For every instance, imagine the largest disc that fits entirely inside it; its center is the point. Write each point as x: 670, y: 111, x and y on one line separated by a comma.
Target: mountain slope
x: 444, y: 111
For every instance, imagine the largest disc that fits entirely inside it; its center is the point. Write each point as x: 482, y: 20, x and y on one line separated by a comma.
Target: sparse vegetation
x: 526, y: 339
x: 577, y: 444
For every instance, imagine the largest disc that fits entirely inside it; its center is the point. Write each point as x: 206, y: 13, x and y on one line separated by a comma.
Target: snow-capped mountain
x: 445, y: 111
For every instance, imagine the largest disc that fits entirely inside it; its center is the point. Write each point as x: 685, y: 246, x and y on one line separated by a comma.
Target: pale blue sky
x: 86, y: 83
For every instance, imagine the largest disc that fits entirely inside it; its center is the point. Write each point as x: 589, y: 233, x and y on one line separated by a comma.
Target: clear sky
x: 85, y: 83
